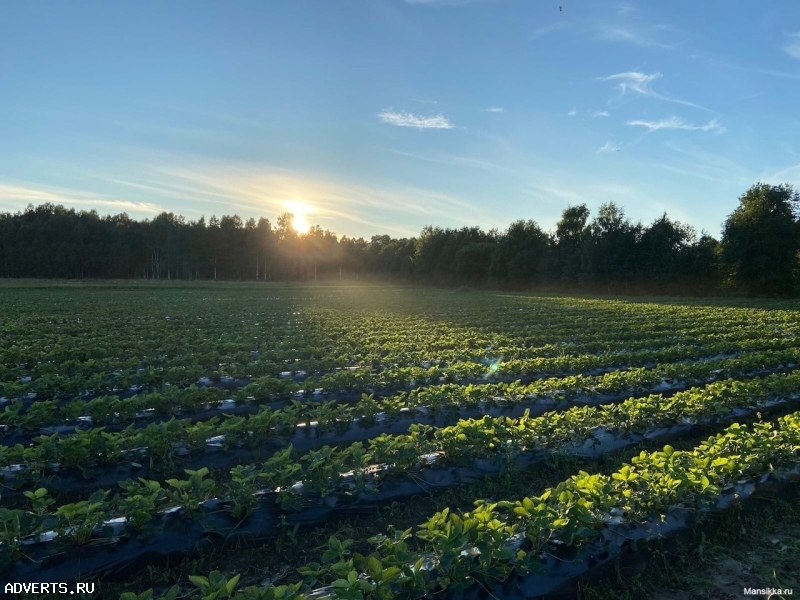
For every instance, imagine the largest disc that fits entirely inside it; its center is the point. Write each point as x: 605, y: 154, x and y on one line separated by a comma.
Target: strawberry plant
x: 216, y: 586
x: 192, y: 492
x: 141, y: 501
x: 242, y: 490
x: 77, y: 522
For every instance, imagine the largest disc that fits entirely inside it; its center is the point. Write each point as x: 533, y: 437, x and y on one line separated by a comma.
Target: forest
x: 757, y: 252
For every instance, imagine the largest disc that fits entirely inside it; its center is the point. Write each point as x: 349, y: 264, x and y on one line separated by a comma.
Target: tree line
x: 756, y: 254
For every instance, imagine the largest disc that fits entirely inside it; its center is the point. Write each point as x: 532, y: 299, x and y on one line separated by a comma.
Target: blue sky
x: 381, y: 116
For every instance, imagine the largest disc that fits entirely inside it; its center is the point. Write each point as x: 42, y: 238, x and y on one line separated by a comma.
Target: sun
x: 300, y: 210
x: 300, y: 224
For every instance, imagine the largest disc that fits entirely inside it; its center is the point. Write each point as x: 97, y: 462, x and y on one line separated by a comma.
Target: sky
x: 371, y: 117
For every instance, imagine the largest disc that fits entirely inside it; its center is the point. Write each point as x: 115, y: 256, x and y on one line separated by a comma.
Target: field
x: 288, y: 441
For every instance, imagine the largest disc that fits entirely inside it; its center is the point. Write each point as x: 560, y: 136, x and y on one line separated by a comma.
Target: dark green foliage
x: 610, y: 251
x: 663, y: 246
x: 761, y: 240
x: 570, y: 235
x: 473, y: 261
x: 520, y: 253
x: 758, y: 253
x: 385, y: 255
x: 437, y: 252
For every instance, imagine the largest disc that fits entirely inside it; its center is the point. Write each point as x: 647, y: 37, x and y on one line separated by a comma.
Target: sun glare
x: 300, y: 210
x: 300, y: 224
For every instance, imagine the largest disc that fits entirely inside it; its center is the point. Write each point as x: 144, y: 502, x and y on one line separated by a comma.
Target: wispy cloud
x: 792, y: 172
x: 629, y: 25
x: 634, y: 81
x: 716, y: 61
x: 793, y: 47
x: 641, y: 83
x: 559, y: 25
x: 15, y: 196
x: 616, y: 34
x: 638, y: 37
x: 573, y: 112
x: 494, y: 109
x: 590, y: 193
x: 196, y: 186
x: 609, y: 147
x: 678, y: 123
x: 469, y: 162
x: 625, y: 25
x: 553, y: 193
x: 712, y: 166
x: 404, y: 119
x: 689, y: 172
x: 600, y: 113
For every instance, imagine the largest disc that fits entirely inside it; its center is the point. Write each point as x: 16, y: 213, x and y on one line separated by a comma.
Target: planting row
x: 355, y: 473
x: 185, y: 401
x: 57, y: 382
x: 582, y: 522
x: 62, y: 356
x: 340, y: 423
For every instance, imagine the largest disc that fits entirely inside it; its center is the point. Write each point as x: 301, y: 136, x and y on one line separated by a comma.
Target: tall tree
x: 520, y: 253
x: 265, y: 248
x: 610, y: 249
x: 570, y: 233
x: 662, y: 254
x: 760, y: 240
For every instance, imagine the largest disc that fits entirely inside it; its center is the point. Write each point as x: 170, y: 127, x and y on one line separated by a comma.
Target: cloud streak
x: 195, y: 187
x: 634, y: 81
x: 600, y: 113
x: 455, y: 160
x: 609, y: 147
x: 623, y: 27
x: 27, y: 194
x: 793, y: 47
x: 641, y: 83
x: 781, y: 175
x: 617, y: 33
x: 494, y: 109
x: 710, y: 165
x: 551, y: 28
x: 677, y: 123
x: 404, y: 119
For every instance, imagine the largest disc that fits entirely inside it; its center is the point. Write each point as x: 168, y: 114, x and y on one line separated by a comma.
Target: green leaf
x: 172, y: 593
x: 232, y: 583
x: 199, y: 581
x: 374, y: 568
x: 390, y: 574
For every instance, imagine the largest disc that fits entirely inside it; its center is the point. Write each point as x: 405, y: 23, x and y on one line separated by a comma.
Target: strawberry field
x: 278, y: 442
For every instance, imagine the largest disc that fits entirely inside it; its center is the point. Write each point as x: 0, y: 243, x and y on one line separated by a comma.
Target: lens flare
x: 493, y: 365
